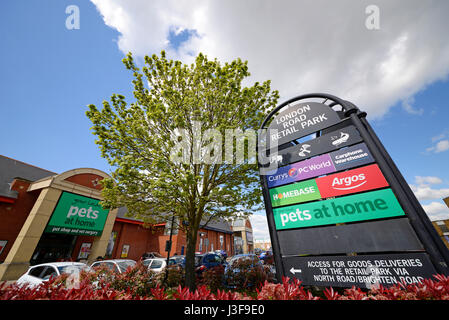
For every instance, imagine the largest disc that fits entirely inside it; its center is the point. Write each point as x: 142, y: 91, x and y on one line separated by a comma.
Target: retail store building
x: 45, y: 216
x: 243, y: 236
x: 130, y: 238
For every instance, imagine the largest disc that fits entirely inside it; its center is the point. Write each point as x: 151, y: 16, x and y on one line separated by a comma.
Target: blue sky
x: 49, y: 74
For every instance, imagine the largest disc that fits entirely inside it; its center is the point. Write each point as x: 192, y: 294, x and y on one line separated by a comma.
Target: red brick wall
x: 214, y: 237
x: 86, y: 179
x: 13, y: 215
x: 142, y: 240
x: 139, y: 239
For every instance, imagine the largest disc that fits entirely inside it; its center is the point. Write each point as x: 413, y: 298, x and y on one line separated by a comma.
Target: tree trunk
x: 191, y: 238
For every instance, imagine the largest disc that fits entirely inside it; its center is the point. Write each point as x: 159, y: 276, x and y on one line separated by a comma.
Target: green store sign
x: 77, y: 215
x: 364, y: 206
x: 294, y: 193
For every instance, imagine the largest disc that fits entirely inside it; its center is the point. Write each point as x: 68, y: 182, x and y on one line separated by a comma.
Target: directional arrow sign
x: 293, y: 270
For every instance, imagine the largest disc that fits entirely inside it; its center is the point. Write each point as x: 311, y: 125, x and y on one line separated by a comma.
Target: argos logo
x: 352, y: 181
x: 348, y: 183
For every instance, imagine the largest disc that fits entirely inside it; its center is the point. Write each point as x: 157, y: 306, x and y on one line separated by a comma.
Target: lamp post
x: 168, y: 247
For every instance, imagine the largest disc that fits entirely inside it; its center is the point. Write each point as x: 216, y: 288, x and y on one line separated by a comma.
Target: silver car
x: 42, y: 272
x: 116, y: 265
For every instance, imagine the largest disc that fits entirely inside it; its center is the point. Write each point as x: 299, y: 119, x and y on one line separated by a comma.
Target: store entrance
x: 53, y: 247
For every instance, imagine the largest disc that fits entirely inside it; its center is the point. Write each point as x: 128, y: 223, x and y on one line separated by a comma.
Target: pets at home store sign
x: 77, y: 215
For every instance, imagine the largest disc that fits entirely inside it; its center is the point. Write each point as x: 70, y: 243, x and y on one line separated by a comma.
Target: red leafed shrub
x: 201, y: 293
x: 427, y: 290
x: 246, y: 274
x: 212, y: 278
x: 137, y: 284
x: 285, y: 291
x: 53, y: 289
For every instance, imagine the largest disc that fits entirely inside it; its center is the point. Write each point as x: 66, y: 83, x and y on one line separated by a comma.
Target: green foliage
x: 136, y: 139
x: 140, y: 139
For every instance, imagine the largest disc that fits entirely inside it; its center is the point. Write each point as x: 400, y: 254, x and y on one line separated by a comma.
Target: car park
x: 223, y: 254
x: 234, y: 267
x: 207, y: 261
x: 178, y: 259
x: 43, y: 272
x: 151, y: 255
x: 266, y: 257
x: 115, y: 265
x: 158, y: 264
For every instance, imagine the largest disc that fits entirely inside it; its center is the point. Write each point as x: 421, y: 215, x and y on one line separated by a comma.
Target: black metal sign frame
x: 415, y: 214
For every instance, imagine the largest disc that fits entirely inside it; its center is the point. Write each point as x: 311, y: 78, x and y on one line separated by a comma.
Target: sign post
x: 339, y: 211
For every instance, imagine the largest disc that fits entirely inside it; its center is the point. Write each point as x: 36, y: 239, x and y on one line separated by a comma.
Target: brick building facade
x: 29, y: 198
x: 131, y: 237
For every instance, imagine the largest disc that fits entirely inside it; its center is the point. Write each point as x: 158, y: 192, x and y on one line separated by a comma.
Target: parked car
x: 42, y: 272
x: 266, y: 257
x: 222, y: 254
x: 116, y: 265
x: 158, y: 264
x: 151, y: 255
x: 178, y: 259
x: 206, y: 261
x: 233, y: 269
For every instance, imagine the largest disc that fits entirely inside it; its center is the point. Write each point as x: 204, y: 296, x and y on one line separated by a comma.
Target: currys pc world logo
x: 293, y: 172
x: 351, y: 181
x: 301, y: 170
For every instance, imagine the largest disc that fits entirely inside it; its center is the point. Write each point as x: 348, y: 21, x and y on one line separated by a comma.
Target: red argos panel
x: 352, y: 181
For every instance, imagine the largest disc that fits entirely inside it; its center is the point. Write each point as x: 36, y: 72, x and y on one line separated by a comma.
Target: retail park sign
x: 300, y: 120
x: 77, y: 215
x: 326, y: 143
x: 351, y: 181
x: 327, y: 163
x: 339, y: 211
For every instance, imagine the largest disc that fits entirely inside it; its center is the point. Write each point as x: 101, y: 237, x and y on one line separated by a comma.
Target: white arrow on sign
x: 293, y: 270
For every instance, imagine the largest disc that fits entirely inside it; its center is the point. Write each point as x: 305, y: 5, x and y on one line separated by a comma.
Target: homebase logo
x: 233, y: 146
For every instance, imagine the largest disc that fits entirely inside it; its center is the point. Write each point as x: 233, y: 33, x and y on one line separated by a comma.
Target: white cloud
x: 427, y: 193
x: 407, y: 104
x: 440, y: 146
x: 427, y: 180
x: 423, y: 191
x: 302, y: 46
x: 260, y: 226
x: 439, y: 137
x: 436, y: 210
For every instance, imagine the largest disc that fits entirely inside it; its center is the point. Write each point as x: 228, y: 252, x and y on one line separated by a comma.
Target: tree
x: 167, y: 150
